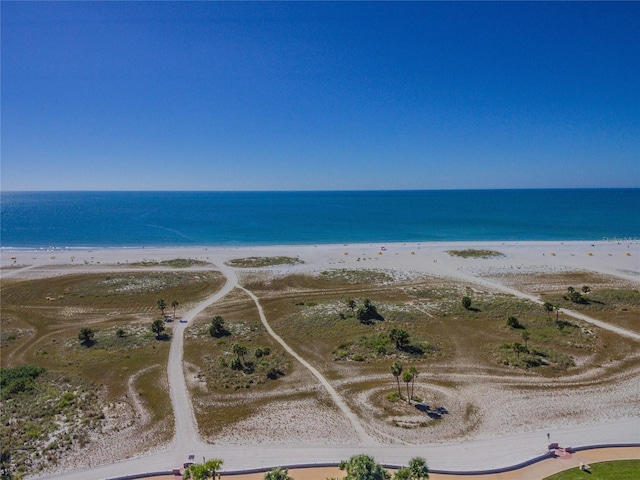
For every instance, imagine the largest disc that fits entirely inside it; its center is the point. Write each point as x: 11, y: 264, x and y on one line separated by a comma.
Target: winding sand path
x: 365, y: 439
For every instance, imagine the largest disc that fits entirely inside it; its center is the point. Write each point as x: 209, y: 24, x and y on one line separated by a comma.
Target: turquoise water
x: 134, y: 219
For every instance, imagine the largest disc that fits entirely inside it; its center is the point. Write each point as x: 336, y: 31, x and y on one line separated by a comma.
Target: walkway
x: 365, y: 439
x: 517, y: 293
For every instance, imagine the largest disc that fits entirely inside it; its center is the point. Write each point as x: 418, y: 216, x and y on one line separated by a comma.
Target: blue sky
x: 319, y: 96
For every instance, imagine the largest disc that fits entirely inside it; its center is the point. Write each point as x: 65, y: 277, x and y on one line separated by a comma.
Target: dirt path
x: 352, y: 417
x: 186, y: 431
x: 512, y: 291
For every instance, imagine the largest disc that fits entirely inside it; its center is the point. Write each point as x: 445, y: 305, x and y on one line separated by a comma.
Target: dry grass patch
x: 618, y: 306
x: 219, y: 371
x: 473, y: 253
x: 40, y: 321
x: 175, y: 263
x: 257, y: 262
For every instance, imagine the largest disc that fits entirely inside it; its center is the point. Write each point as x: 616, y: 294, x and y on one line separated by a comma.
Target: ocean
x: 137, y: 219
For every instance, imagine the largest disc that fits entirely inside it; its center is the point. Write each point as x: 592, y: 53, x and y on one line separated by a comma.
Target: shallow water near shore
x: 137, y: 219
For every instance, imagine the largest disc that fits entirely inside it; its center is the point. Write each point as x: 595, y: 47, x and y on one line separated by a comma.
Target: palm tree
x: 351, y: 304
x: 414, y: 372
x: 86, y: 336
x: 400, y: 337
x: 549, y: 308
x: 277, y: 474
x: 240, y: 351
x: 174, y: 304
x: 216, y: 328
x: 526, y: 336
x: 517, y: 348
x: 466, y: 302
x: 206, y: 471
x: 407, y: 378
x: 157, y: 327
x: 363, y: 467
x: 418, y: 468
x: 161, y: 305
x: 396, y: 371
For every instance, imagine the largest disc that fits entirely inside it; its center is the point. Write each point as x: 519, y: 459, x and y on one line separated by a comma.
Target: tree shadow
x: 435, y: 413
x: 220, y: 333
x: 275, y: 373
x: 412, y: 349
x: 163, y: 337
x: 249, y: 368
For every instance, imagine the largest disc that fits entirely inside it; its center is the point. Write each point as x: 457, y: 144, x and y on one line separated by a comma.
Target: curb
x: 492, y: 471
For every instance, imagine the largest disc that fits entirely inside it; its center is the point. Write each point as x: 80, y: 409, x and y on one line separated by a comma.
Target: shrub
x: 368, y: 312
x: 86, y: 336
x: 466, y: 302
x: 394, y: 397
x: 236, y: 364
x: 513, y: 322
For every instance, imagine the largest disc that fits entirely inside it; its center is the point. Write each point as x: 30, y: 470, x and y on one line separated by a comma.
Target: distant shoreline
x: 231, y: 246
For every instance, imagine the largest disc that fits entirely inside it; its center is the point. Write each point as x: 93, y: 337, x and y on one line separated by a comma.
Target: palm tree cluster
x: 204, y: 471
x: 408, y: 376
x: 364, y: 467
x: 366, y: 313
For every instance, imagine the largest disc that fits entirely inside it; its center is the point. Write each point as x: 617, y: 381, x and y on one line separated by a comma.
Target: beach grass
x: 475, y: 253
x: 173, y: 263
x: 256, y: 262
x: 615, y: 470
x: 41, y: 320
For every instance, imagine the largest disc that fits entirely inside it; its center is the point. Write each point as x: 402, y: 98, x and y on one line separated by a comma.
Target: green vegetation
x: 466, y: 302
x: 396, y: 370
x: 363, y: 467
x: 42, y: 415
x: 473, y: 253
x: 86, y: 337
x: 616, y: 470
x: 175, y: 263
x: 217, y: 328
x: 416, y: 470
x: 381, y: 345
x: 205, y: 471
x: 256, y: 262
x: 368, y: 312
x: 514, y: 323
x: 42, y: 324
x: 18, y: 379
x: 355, y: 277
x: 277, y: 474
x: 157, y: 327
x: 162, y: 305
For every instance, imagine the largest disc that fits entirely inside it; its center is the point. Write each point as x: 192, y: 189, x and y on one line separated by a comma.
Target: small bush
x: 466, y: 302
x: 513, y: 322
x: 394, y: 397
